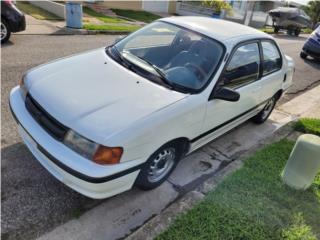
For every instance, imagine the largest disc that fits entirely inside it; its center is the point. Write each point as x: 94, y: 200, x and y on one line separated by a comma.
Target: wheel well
x: 182, y: 142
x: 3, y: 18
x: 278, y: 94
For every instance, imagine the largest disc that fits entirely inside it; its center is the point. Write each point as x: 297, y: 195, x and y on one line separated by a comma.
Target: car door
x: 240, y: 74
x: 272, y: 74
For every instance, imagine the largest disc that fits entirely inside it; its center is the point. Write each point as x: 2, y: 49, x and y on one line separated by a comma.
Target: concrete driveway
x: 33, y: 202
x: 35, y: 26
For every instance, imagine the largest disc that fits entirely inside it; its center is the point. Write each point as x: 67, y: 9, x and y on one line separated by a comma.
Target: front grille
x: 45, y: 120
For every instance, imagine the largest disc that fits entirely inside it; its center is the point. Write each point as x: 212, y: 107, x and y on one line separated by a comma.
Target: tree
x: 217, y: 5
x: 313, y: 10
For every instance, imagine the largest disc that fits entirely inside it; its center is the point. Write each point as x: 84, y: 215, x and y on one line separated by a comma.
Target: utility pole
x: 249, y: 12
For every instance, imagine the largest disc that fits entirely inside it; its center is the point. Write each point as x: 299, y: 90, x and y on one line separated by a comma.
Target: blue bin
x: 216, y: 15
x: 74, y: 15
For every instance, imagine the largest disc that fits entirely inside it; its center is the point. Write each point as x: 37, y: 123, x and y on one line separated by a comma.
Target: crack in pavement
x: 314, y: 84
x: 221, y: 153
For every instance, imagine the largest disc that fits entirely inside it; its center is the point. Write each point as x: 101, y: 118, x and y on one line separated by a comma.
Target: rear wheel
x: 276, y: 29
x: 263, y: 115
x: 303, y: 55
x: 158, y: 167
x: 5, y: 31
x: 297, y: 32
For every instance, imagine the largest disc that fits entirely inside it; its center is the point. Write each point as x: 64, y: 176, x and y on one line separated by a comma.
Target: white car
x: 107, y: 119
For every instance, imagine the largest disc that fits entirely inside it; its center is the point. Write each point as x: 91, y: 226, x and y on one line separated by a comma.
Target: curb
x: 74, y: 31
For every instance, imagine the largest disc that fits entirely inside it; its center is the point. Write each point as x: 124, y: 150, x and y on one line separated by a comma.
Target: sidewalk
x: 46, y: 27
x: 35, y: 26
x: 195, y: 175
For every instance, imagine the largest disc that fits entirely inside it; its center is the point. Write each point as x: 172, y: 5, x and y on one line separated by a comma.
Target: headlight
x: 23, y: 87
x: 91, y: 150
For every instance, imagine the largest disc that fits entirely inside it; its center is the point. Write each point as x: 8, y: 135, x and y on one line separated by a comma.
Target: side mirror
x: 226, y: 94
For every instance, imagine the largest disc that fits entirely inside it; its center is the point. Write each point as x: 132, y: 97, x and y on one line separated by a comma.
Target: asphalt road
x: 34, y: 202
x: 307, y: 74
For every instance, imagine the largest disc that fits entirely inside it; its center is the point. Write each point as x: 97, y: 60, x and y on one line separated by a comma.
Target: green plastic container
x: 304, y: 162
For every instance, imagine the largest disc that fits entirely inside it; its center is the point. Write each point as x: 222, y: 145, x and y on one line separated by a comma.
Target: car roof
x: 221, y: 30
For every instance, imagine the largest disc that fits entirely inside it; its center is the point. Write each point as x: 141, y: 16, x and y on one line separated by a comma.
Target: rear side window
x: 243, y: 66
x: 271, y: 57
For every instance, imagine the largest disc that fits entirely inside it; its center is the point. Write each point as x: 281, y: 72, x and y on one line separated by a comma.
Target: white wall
x: 156, y: 5
x: 53, y: 7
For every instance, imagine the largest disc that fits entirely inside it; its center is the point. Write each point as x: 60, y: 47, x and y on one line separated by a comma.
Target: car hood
x: 94, y: 95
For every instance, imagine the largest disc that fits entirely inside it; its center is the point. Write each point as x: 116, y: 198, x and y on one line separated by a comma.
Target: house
x: 160, y: 6
x: 252, y: 13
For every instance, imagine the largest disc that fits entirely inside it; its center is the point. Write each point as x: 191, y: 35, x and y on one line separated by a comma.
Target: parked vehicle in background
x: 290, y: 19
x: 12, y: 20
x: 312, y: 45
x: 148, y: 100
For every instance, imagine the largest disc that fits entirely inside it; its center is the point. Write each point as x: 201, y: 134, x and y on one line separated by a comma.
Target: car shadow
x: 35, y: 203
x: 30, y: 194
x: 289, y: 37
x: 7, y: 44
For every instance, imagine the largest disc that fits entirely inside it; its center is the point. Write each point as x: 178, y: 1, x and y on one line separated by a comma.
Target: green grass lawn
x: 308, y: 125
x: 307, y: 30
x: 253, y: 204
x: 267, y: 30
x: 106, y: 27
x: 270, y: 30
x: 36, y: 12
x: 141, y: 16
x: 102, y: 17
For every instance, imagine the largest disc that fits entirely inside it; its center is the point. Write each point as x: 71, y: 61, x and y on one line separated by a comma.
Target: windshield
x: 177, y: 56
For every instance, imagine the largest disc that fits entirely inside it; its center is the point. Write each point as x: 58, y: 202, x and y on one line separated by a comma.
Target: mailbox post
x: 74, y: 14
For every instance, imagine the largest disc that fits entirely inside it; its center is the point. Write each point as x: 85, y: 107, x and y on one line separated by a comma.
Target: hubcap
x: 4, y: 31
x: 161, y: 164
x: 268, y: 108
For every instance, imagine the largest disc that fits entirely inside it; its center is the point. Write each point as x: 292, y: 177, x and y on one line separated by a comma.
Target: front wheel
x: 5, y: 31
x: 158, y: 167
x: 263, y: 115
x: 297, y: 32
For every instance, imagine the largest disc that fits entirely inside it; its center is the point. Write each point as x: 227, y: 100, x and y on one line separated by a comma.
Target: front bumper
x: 80, y: 174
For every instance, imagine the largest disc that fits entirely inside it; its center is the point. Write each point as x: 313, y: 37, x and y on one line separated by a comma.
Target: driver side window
x: 243, y: 66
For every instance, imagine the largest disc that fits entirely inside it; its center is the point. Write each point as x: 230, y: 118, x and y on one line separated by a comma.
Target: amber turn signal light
x: 107, y: 155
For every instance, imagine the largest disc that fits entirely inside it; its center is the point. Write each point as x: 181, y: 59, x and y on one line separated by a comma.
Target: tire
x: 263, y: 115
x: 167, y: 157
x: 297, y: 32
x: 276, y: 29
x: 5, y: 31
x: 303, y: 55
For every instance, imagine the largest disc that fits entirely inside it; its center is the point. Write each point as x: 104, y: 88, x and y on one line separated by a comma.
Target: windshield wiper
x: 159, y: 71
x: 124, y: 61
